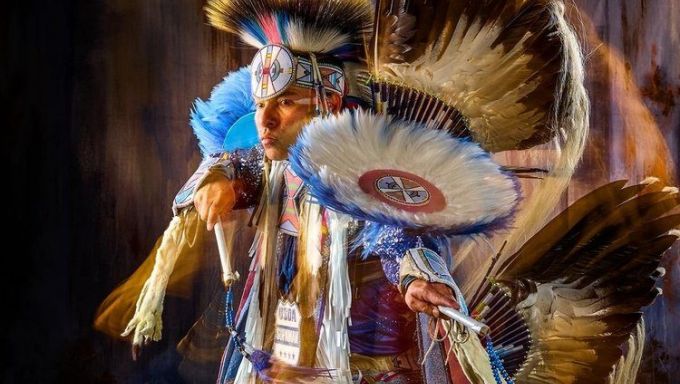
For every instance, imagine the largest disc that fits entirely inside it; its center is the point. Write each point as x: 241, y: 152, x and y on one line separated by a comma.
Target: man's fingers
x: 430, y: 310
x: 417, y: 305
x: 218, y: 212
x: 433, y: 294
x: 440, y: 299
x: 216, y: 198
x: 434, y: 297
x: 422, y: 306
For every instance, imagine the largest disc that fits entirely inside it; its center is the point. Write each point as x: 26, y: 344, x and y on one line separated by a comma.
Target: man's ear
x: 334, y: 102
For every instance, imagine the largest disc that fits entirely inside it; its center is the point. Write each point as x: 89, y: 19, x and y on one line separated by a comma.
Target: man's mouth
x: 268, y: 140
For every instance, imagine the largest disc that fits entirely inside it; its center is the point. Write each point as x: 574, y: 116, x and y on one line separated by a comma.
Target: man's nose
x: 269, y: 118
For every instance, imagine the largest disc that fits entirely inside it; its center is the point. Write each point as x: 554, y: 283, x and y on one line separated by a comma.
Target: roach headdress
x: 299, y: 42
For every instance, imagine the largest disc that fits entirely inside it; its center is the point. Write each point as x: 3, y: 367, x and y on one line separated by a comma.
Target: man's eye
x: 259, y: 105
x: 286, y: 102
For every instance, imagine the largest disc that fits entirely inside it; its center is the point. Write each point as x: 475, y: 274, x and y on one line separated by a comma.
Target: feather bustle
x: 582, y: 294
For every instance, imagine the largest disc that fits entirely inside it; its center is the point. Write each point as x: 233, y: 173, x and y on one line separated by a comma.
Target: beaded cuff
x: 426, y: 264
x: 219, y: 163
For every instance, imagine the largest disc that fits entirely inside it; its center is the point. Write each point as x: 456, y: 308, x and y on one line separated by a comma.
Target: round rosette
x: 392, y: 172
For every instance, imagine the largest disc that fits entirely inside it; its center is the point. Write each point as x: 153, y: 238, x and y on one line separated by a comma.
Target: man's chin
x: 275, y: 154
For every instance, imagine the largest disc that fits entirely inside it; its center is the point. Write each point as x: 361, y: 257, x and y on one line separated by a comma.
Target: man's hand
x: 215, y: 199
x: 422, y: 296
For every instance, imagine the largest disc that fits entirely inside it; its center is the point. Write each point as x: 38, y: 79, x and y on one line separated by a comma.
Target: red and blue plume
x: 334, y: 28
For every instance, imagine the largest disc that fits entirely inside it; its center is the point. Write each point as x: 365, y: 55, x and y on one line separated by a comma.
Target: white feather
x: 333, y: 348
x: 340, y: 149
x: 626, y: 370
x: 650, y: 180
x: 313, y: 236
x: 251, y: 40
x: 670, y: 190
x: 301, y: 38
x: 486, y: 84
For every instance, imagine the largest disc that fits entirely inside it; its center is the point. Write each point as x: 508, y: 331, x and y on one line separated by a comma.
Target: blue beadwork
x: 229, y: 309
x: 497, y: 367
x: 229, y: 321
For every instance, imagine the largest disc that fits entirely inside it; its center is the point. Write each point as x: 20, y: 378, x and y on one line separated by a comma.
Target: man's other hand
x: 215, y: 199
x: 422, y: 296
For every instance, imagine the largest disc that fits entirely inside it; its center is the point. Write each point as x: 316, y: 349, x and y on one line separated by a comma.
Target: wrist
x: 405, y: 283
x: 212, y: 165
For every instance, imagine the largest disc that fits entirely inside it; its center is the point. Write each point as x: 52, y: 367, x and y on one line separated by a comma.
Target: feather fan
x: 580, y: 283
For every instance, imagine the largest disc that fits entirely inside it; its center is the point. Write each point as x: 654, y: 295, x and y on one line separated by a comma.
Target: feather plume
x: 325, y: 27
x: 500, y: 63
x: 229, y: 101
x: 627, y: 367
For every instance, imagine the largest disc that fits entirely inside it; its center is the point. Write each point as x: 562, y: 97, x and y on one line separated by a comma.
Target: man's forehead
x: 292, y: 91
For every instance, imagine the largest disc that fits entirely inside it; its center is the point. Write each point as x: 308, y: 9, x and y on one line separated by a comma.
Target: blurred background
x: 97, y: 97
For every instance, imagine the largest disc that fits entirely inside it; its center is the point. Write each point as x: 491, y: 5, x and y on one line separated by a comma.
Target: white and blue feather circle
x: 334, y: 155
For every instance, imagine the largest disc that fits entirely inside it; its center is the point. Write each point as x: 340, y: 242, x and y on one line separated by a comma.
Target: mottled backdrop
x: 97, y: 95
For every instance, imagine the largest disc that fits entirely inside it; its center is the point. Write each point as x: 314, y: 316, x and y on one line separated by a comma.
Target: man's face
x: 280, y: 119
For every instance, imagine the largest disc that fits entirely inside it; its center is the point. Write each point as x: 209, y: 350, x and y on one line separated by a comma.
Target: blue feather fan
x: 229, y: 101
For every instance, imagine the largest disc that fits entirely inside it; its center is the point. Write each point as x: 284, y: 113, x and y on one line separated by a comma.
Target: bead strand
x: 497, y: 367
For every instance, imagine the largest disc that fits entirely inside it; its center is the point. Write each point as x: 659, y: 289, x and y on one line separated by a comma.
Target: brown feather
x: 581, y: 282
x: 407, y: 31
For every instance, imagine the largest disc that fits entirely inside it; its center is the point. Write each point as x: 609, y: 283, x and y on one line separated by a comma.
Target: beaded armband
x: 219, y: 163
x: 426, y: 264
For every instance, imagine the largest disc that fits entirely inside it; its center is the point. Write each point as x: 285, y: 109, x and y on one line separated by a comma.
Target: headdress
x: 299, y: 42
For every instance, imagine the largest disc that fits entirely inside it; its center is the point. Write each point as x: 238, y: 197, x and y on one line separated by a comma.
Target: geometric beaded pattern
x: 289, y: 222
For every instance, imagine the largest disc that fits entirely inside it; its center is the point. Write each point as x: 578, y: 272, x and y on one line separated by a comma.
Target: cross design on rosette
x: 402, y: 190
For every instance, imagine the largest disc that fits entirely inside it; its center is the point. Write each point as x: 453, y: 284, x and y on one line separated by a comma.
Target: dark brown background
x: 97, y: 96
